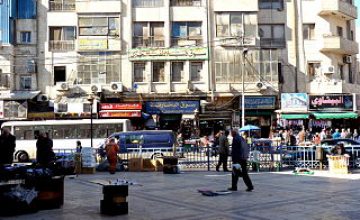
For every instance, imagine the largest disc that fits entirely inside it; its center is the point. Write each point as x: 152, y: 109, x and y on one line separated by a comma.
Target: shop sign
x: 120, y: 114
x: 14, y: 110
x: 172, y: 107
x: 294, y: 102
x: 41, y: 115
x: 72, y: 115
x: 93, y: 44
x: 189, y: 53
x: 257, y: 102
x: 331, y: 102
x: 121, y: 106
x: 1, y: 109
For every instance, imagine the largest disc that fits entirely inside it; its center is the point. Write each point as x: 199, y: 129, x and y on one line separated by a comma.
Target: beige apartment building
x: 202, y: 54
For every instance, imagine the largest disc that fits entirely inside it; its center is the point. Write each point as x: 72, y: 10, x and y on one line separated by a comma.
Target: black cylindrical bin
x: 115, y: 202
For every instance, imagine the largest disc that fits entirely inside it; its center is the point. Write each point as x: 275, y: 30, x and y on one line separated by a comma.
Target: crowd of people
x: 307, y: 136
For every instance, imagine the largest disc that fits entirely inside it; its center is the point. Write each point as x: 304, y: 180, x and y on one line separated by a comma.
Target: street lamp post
x: 91, y: 100
x: 244, y: 53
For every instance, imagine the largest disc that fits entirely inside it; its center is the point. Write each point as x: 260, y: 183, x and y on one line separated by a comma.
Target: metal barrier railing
x: 276, y: 159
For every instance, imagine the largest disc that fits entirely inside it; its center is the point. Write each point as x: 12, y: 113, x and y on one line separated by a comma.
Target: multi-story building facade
x: 18, y: 57
x: 201, y: 54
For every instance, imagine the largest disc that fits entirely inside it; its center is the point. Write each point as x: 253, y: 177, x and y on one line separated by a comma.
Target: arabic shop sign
x: 172, y: 107
x: 190, y: 53
x: 331, y: 102
x: 257, y: 102
x: 120, y: 114
x: 121, y: 106
x: 294, y: 102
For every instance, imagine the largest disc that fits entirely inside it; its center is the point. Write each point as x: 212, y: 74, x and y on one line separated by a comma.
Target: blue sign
x: 259, y: 102
x: 294, y: 102
x: 172, y: 107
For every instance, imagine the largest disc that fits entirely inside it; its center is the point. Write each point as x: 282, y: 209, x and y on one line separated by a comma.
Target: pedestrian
x: 301, y: 137
x: 112, y: 150
x: 317, y: 139
x: 44, y: 150
x: 343, y: 133
x: 223, y: 151
x: 240, y: 154
x: 355, y: 134
x: 348, y: 133
x: 78, y: 147
x: 336, y: 134
x: 323, y: 134
x: 7, y: 144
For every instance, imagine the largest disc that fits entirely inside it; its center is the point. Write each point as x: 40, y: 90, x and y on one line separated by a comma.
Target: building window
x: 195, y: 71
x: 186, y: 33
x: 25, y: 37
x: 94, y: 68
x: 177, y: 71
x: 25, y: 82
x: 62, y: 5
x: 139, y: 72
x: 86, y: 107
x: 339, y: 31
x: 62, y: 38
x: 313, y: 70
x: 309, y: 31
x: 341, y: 71
x: 62, y: 107
x: 272, y: 35
x: 99, y: 26
x: 148, y: 34
x: 148, y: 3
x: 269, y: 60
x: 158, y: 71
x: 271, y: 4
x: 234, y: 24
x: 185, y: 3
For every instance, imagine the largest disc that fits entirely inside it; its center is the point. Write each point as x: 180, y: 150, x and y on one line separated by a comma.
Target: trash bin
x: 338, y: 164
x: 115, y: 200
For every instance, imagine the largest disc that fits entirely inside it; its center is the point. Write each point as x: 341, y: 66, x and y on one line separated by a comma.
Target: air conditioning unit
x: 42, y: 98
x: 116, y: 86
x: 62, y: 86
x: 347, y: 59
x: 261, y: 86
x: 328, y: 70
x: 95, y: 88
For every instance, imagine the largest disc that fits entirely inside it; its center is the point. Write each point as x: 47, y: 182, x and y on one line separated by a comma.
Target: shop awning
x: 295, y: 116
x: 335, y: 115
x: 19, y: 95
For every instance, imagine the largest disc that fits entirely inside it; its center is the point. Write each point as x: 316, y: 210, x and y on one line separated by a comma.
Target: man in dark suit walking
x: 240, y: 154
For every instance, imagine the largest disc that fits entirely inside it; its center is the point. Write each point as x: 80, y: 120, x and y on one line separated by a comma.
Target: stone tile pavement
x: 165, y: 196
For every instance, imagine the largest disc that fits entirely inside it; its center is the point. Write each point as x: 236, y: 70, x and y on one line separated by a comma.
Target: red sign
x: 121, y: 106
x: 120, y: 114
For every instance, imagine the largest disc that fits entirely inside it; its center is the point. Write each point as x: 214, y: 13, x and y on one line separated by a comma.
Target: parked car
x: 349, y: 144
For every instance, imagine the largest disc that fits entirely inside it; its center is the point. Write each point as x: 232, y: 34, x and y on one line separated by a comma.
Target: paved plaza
x: 166, y: 196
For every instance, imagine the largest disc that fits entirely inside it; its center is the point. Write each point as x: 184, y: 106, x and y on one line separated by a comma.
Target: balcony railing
x: 152, y: 41
x: 340, y: 45
x: 185, y: 3
x: 66, y: 5
x: 341, y: 8
x: 272, y: 42
x: 62, y: 45
x: 186, y: 41
x: 148, y: 3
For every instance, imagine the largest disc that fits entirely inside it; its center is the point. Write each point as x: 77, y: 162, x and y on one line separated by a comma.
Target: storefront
x: 173, y: 115
x: 128, y: 110
x: 294, y: 111
x: 75, y: 108
x: 259, y: 111
x: 333, y: 110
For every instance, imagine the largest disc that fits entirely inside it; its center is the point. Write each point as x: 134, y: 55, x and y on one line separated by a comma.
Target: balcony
x: 340, y: 8
x: 61, y: 45
x: 186, y: 41
x: 340, y: 45
x: 142, y: 41
x: 62, y: 5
